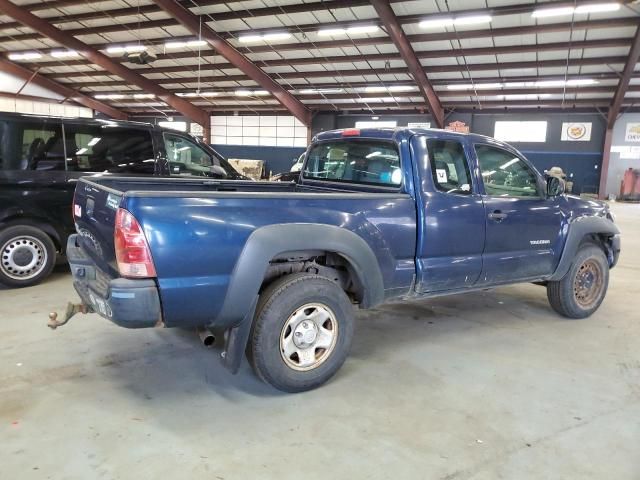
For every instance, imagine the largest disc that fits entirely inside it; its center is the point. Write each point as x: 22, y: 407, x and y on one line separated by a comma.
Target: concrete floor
x: 482, y: 386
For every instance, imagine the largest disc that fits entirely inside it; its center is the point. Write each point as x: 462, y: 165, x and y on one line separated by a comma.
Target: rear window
x: 371, y: 162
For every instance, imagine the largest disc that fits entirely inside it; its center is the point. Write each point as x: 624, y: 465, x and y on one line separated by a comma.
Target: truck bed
x: 197, y: 230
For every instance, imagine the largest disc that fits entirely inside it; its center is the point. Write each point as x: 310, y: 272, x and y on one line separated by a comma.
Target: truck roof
x: 392, y: 133
x: 84, y: 120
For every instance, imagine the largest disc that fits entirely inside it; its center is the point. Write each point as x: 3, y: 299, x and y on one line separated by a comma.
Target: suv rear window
x: 371, y: 162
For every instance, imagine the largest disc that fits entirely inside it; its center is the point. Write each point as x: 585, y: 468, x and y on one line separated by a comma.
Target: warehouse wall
x: 624, y: 154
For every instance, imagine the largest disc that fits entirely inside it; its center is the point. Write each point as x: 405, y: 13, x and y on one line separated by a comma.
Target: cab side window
x: 185, y: 157
x: 449, y: 166
x: 42, y: 146
x: 505, y: 174
x: 107, y: 149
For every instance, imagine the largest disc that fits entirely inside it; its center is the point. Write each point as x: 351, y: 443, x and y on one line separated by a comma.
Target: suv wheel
x: 302, y: 332
x: 584, y: 287
x: 27, y: 256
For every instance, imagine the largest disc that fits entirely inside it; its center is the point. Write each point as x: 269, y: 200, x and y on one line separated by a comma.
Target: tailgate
x: 94, y: 212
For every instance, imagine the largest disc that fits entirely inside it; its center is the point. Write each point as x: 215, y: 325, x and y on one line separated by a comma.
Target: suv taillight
x: 132, y: 250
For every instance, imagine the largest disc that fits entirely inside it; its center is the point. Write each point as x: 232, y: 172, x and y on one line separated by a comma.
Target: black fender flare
x: 267, y: 242
x: 577, y: 230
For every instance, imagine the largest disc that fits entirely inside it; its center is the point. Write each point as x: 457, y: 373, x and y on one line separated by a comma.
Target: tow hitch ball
x: 72, y: 309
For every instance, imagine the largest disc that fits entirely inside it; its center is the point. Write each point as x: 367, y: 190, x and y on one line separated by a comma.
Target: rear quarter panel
x: 196, y: 241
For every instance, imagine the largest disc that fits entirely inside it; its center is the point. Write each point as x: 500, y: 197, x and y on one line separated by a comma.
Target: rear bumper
x: 128, y: 303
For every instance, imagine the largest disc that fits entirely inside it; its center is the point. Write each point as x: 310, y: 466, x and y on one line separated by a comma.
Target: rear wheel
x: 584, y: 287
x: 302, y: 332
x: 27, y: 256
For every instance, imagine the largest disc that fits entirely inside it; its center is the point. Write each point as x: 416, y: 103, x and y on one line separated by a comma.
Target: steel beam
x: 28, y: 19
x: 614, y: 108
x: 192, y: 23
x: 62, y: 90
x: 623, y: 84
x: 395, y: 31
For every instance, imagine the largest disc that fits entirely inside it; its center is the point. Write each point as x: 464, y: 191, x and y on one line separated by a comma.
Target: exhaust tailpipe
x: 206, y: 336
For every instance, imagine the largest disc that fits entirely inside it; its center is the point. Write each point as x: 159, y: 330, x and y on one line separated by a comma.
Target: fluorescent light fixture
x: 175, y: 44
x: 401, y: 88
x: 249, y: 93
x: 476, y: 86
x: 250, y: 38
x: 437, y: 23
x: 552, y: 12
x: 209, y: 94
x: 598, y: 8
x: 64, y: 53
x: 143, y: 95
x: 363, y: 29
x: 311, y: 91
x: 579, y: 82
x: 24, y: 56
x: 267, y: 37
x: 109, y: 96
x: 276, y: 36
x: 472, y: 20
x: 82, y: 151
x: 196, y: 43
x: 93, y: 141
x: 331, y: 31
x: 126, y: 48
x: 509, y: 163
x: 375, y: 89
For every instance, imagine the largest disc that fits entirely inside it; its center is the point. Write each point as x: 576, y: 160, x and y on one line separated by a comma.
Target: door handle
x: 497, y: 216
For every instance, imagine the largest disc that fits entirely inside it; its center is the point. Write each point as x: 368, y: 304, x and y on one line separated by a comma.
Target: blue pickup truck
x: 377, y: 214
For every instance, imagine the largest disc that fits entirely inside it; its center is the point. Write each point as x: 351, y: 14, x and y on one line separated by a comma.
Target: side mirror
x: 555, y: 186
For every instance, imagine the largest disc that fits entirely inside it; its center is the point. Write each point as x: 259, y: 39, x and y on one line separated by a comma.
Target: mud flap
x: 237, y: 340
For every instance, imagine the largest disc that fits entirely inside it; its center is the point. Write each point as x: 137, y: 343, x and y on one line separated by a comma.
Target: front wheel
x: 584, y: 287
x: 302, y: 333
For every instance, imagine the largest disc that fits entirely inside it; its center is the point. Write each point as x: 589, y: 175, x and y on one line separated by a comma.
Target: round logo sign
x: 576, y: 131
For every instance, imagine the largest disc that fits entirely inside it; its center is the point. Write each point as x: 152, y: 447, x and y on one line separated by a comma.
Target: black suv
x: 41, y: 159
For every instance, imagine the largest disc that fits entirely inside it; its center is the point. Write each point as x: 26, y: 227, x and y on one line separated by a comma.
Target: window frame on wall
x: 519, y: 130
x: 531, y: 170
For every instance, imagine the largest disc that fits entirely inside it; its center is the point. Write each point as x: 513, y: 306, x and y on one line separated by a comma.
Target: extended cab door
x: 523, y: 226
x: 452, y: 226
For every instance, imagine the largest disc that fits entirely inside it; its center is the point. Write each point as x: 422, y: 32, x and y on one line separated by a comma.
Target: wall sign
x: 576, y: 132
x: 632, y: 133
x: 419, y: 124
x: 196, y: 129
x: 458, y: 127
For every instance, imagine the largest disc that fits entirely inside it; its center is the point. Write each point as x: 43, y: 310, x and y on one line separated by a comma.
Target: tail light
x: 132, y: 250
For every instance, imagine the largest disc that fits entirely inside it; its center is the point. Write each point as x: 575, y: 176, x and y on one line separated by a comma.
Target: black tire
x: 27, y: 256
x: 280, y: 305
x: 584, y: 287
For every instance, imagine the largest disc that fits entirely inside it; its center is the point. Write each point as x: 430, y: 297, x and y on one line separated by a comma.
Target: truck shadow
x: 175, y: 363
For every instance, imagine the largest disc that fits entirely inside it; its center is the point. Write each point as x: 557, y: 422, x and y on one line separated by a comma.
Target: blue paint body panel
x: 425, y: 241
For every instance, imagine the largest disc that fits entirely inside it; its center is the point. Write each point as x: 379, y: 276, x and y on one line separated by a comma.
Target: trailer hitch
x: 72, y: 309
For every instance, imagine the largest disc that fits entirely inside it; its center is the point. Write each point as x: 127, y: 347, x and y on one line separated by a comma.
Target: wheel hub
x: 305, y: 334
x: 588, y: 284
x: 308, y: 336
x: 22, y: 258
